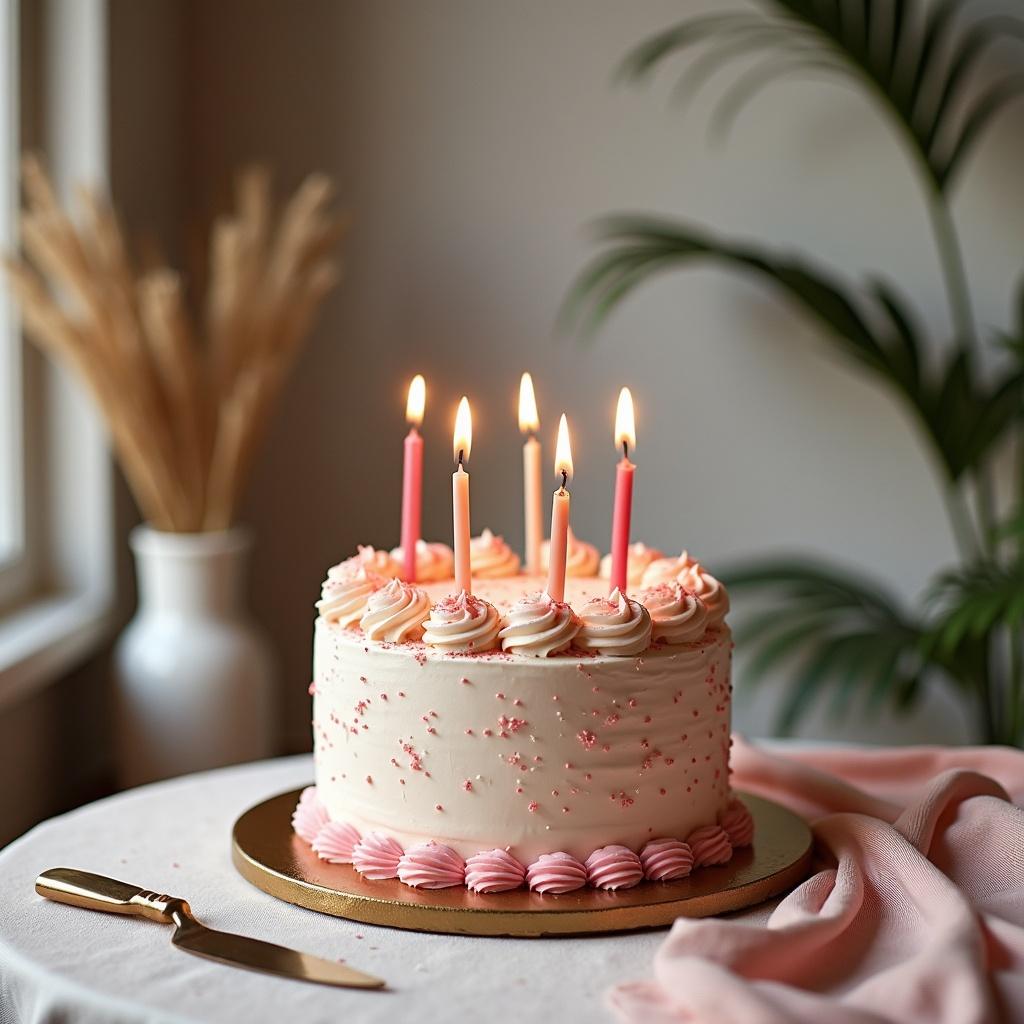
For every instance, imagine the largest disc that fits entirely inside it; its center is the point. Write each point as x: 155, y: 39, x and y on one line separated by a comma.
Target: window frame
x: 58, y: 607
x: 15, y: 570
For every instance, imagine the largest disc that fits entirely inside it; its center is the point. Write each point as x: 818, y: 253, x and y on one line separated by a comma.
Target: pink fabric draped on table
x: 915, y: 912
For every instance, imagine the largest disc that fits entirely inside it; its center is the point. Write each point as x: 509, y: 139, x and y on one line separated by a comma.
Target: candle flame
x: 416, y: 401
x: 529, y: 421
x: 625, y: 425
x: 462, y: 440
x: 563, y: 452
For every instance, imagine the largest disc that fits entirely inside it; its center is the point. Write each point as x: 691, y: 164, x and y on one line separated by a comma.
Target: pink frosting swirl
x: 538, y: 626
x: 395, y: 614
x: 491, y: 557
x: 556, y: 873
x: 638, y: 558
x: 431, y: 866
x: 738, y: 824
x: 616, y: 625
x: 310, y: 815
x: 376, y: 856
x: 678, y: 616
x: 494, y: 871
x: 667, y: 570
x: 581, y: 558
x: 614, y: 867
x: 710, y: 845
x: 708, y: 589
x: 666, y: 859
x: 464, y: 624
x: 372, y: 559
x: 434, y: 561
x: 343, y: 597
x: 335, y: 841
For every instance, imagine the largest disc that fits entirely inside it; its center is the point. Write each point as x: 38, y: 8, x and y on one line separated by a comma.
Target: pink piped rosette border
x: 433, y: 865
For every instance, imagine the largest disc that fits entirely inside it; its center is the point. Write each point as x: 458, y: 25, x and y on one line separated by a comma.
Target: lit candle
x: 625, y: 435
x: 412, y: 477
x: 560, y: 515
x: 529, y: 423
x: 462, y: 441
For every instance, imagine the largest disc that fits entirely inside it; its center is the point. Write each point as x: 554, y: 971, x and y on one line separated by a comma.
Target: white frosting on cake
x: 568, y: 753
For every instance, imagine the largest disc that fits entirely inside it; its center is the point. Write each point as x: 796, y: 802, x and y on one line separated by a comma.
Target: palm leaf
x: 921, y: 67
x: 961, y: 415
x: 839, y: 632
x: 971, y: 602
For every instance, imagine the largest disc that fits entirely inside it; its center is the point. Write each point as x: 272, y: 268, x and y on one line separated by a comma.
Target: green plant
x: 923, y: 66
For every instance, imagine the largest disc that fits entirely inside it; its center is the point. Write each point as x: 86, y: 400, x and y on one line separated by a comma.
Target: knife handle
x: 97, y: 892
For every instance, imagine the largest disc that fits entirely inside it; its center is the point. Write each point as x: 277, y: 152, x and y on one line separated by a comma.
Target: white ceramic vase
x: 194, y: 675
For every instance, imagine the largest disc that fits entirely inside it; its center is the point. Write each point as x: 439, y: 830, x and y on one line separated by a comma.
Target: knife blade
x: 97, y: 892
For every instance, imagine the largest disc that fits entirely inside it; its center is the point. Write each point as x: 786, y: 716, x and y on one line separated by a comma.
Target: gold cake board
x: 268, y: 854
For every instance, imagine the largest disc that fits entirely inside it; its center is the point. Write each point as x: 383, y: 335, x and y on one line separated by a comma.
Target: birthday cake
x: 503, y: 738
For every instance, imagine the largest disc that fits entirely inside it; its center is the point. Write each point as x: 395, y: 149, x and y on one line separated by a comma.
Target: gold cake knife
x: 97, y: 892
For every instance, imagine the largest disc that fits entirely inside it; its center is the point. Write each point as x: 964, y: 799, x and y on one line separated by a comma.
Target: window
x: 56, y: 518
x: 13, y: 575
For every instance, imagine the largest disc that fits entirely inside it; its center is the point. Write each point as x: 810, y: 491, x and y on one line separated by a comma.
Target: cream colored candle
x: 462, y: 441
x: 529, y: 423
x: 560, y: 503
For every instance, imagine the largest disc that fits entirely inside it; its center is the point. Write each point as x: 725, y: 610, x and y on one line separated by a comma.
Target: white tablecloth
x: 62, y: 964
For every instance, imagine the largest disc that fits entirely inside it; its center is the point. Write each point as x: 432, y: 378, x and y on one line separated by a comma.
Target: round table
x: 59, y: 963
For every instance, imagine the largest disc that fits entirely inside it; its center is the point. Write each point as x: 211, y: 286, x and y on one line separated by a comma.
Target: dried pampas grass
x: 186, y: 408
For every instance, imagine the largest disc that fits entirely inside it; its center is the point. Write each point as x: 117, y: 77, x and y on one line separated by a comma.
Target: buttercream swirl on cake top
x: 395, y: 614
x: 372, y: 559
x: 344, y: 596
x: 581, y: 558
x: 463, y: 623
x: 539, y: 626
x: 614, y: 625
x: 638, y: 558
x: 434, y: 561
x: 708, y: 589
x: 491, y: 557
x: 679, y: 616
x: 667, y: 570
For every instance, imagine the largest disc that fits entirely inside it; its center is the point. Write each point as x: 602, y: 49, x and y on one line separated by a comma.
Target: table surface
x: 59, y: 963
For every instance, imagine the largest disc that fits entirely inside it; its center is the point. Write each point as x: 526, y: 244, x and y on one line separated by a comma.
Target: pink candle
x: 461, y: 443
x: 529, y: 422
x: 625, y: 435
x: 412, y: 478
x: 560, y: 515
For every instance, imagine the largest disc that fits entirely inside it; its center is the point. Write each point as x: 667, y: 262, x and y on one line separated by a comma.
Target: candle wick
x: 625, y: 449
x: 565, y: 478
x: 461, y: 452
